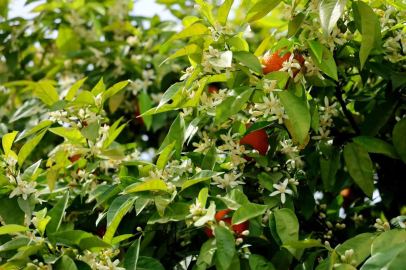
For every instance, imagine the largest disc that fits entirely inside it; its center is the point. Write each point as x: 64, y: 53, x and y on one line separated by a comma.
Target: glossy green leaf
x: 232, y: 104
x: 116, y: 212
x: 393, y: 258
x: 7, y: 142
x: 29, y: 146
x: 145, y: 105
x: 200, y: 177
x: 260, y: 9
x: 192, y: 49
x: 152, y: 185
x: 91, y: 132
x: 132, y: 255
x: 114, y: 89
x: 387, y: 240
x: 361, y: 244
x: 249, y: 60
x: 74, y: 89
x: 32, y: 130
x: 296, y: 23
x: 57, y: 213
x: 209, y: 159
x: 327, y: 64
x: 329, y: 12
x: 173, y: 212
x: 225, y: 247
x: 196, y: 29
x: 176, y: 133
x: 257, y: 262
x: 329, y: 168
x: 67, y: 41
x: 375, y: 145
x: 11, y: 228
x: 359, y: 166
x: 298, y: 113
x: 248, y: 211
x: 47, y: 93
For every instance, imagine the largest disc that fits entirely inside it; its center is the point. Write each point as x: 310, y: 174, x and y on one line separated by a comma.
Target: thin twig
x: 347, y: 113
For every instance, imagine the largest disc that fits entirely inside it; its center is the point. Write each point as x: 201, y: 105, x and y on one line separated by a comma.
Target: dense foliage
x: 281, y: 145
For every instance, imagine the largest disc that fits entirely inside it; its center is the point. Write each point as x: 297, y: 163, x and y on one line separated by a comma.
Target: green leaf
x: 225, y: 247
x: 189, y: 20
x: 85, y: 98
x: 148, y: 263
x: 99, y: 88
x: 206, y: 253
x: 200, y: 177
x: 393, y: 258
x: 399, y: 138
x: 224, y: 60
x: 248, y: 211
x: 379, y: 116
x: 114, y: 89
x: 209, y: 159
x: 152, y: 185
x: 257, y: 262
x: 374, y: 145
x: 330, y: 11
x: 65, y: 262
x: 71, y: 134
x: 173, y: 212
x: 27, y: 205
x: 196, y: 29
x: 67, y: 41
x: 29, y: 146
x: 29, y: 131
x: 287, y: 228
x: 10, y: 211
x: 116, y: 212
x: 387, y: 240
x: 74, y: 89
x: 176, y: 133
x: 368, y: 31
x: 249, y: 60
x: 121, y: 238
x: 93, y: 243
x: 361, y: 244
x: 329, y: 168
x: 298, y: 113
x: 359, y: 166
x: 317, y: 48
x: 327, y: 64
x: 57, y: 213
x: 239, y: 44
x: 47, y: 93
x: 165, y: 156
x: 172, y: 90
x: 131, y: 256
x: 7, y: 141
x: 236, y: 98
x: 235, y: 199
x: 91, y: 132
x: 223, y: 11
x: 192, y: 49
x: 11, y: 228
x: 308, y: 243
x: 296, y: 23
x: 260, y: 9
x: 203, y: 196
x: 145, y: 105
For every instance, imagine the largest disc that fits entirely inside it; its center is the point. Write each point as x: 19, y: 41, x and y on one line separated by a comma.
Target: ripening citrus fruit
x: 257, y: 139
x: 75, y: 158
x: 273, y: 62
x: 139, y: 120
x: 213, y: 89
x: 239, y: 228
x: 348, y: 196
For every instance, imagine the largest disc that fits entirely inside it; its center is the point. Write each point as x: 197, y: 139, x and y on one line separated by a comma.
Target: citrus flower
x: 23, y: 188
x: 281, y: 189
x: 229, y: 180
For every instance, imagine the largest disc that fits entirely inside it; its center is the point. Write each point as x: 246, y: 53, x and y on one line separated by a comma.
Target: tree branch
x: 347, y: 113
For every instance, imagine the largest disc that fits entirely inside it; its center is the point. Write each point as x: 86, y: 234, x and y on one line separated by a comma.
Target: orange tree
x: 291, y: 163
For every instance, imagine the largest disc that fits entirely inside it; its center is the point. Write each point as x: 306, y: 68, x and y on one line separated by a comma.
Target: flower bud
x: 139, y: 229
x: 246, y: 232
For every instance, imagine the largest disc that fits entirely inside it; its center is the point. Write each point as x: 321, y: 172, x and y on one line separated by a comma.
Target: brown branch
x: 347, y: 113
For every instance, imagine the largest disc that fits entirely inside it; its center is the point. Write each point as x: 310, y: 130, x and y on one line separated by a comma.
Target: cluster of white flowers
x: 197, y: 210
x: 138, y: 84
x: 326, y: 121
x: 271, y: 107
x: 348, y: 258
x: 228, y: 180
x: 381, y: 226
x: 102, y: 260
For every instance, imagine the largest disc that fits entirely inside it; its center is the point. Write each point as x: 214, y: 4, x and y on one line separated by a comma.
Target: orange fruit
x: 273, y: 62
x: 239, y: 228
x: 213, y: 89
x: 75, y: 158
x: 258, y: 140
